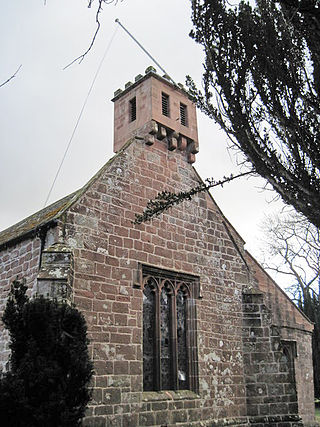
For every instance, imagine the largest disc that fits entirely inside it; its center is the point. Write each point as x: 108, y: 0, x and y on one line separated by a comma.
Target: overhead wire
x: 145, y: 50
x: 80, y: 115
x: 89, y: 92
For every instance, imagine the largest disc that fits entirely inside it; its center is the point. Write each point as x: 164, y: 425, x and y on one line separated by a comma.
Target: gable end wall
x: 107, y: 250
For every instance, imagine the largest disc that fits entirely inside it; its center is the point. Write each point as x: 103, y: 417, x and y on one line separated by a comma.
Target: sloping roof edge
x: 248, y: 254
x: 35, y: 222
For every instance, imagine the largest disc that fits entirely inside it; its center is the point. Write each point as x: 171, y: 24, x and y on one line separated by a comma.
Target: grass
x: 318, y: 415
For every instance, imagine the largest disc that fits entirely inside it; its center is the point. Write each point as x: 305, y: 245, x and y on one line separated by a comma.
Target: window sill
x: 148, y: 396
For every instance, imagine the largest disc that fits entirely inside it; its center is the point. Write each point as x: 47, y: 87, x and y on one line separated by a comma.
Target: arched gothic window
x: 169, y: 333
x: 289, y: 353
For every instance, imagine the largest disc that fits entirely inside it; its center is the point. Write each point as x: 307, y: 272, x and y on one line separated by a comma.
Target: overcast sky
x: 40, y: 106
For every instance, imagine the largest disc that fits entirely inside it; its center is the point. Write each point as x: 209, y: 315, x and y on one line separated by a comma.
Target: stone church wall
x: 295, y: 330
x: 20, y: 261
x: 303, y: 372
x: 108, y: 251
x: 97, y: 248
x: 244, y: 341
x: 271, y: 392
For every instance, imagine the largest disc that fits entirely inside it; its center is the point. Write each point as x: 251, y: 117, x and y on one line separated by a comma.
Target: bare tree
x: 293, y: 244
x: 292, y: 248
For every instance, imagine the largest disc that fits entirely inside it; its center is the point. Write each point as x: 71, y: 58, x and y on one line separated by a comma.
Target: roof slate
x: 35, y: 222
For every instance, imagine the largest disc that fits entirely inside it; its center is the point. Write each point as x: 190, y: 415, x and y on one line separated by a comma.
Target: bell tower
x: 153, y: 108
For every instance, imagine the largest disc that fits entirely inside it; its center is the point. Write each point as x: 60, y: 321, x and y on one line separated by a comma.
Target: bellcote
x: 153, y: 108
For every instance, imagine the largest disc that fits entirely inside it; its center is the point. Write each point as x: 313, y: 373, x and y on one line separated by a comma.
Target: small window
x: 289, y: 350
x: 165, y: 105
x: 132, y: 109
x: 169, y: 332
x: 183, y: 115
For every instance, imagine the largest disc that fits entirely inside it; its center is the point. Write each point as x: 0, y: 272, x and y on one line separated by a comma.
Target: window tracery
x: 169, y: 333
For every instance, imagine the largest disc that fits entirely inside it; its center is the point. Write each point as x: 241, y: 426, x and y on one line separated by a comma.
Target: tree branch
x: 13, y: 76
x: 167, y: 199
x: 294, y: 243
x: 80, y: 58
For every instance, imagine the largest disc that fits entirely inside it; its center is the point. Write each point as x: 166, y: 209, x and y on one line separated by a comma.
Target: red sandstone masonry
x: 295, y: 328
x: 193, y: 238
x: 166, y: 243
x: 20, y: 261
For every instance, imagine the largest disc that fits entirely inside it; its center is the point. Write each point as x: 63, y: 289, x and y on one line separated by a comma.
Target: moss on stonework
x: 224, y: 422
x: 169, y: 395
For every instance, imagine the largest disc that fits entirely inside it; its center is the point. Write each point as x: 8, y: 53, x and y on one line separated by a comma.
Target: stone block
x: 172, y: 143
x: 162, y: 133
x: 256, y: 390
x: 279, y: 408
x: 121, y: 367
x: 111, y: 396
x: 163, y: 417
x: 147, y: 419
x: 179, y: 416
x: 130, y: 420
x: 191, y: 158
x: 193, y: 147
x: 182, y: 143
x: 159, y: 406
x: 94, y: 422
x: 97, y: 396
x: 103, y: 410
x: 149, y: 139
x: 275, y: 389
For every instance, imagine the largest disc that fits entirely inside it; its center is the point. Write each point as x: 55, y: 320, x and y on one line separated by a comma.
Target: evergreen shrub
x: 50, y: 369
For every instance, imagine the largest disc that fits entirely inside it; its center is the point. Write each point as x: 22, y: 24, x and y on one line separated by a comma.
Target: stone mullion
x: 174, y: 341
x: 192, y: 344
x: 157, y: 350
x: 188, y: 342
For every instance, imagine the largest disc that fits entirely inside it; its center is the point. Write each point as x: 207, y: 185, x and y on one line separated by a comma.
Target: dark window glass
x: 166, y: 340
x: 183, y: 115
x: 132, y: 109
x: 165, y: 105
x: 148, y: 335
x: 289, y: 352
x: 182, y: 340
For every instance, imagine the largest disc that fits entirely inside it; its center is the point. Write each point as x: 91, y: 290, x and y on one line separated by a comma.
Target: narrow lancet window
x: 149, y: 336
x: 183, y: 374
x: 132, y: 109
x: 166, y: 339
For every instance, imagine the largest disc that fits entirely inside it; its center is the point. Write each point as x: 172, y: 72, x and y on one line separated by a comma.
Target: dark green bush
x: 50, y: 369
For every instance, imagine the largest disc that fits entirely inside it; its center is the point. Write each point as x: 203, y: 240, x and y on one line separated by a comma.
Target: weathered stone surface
x: 241, y: 377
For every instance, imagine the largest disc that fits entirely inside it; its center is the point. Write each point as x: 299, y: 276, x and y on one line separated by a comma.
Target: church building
x: 185, y: 327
